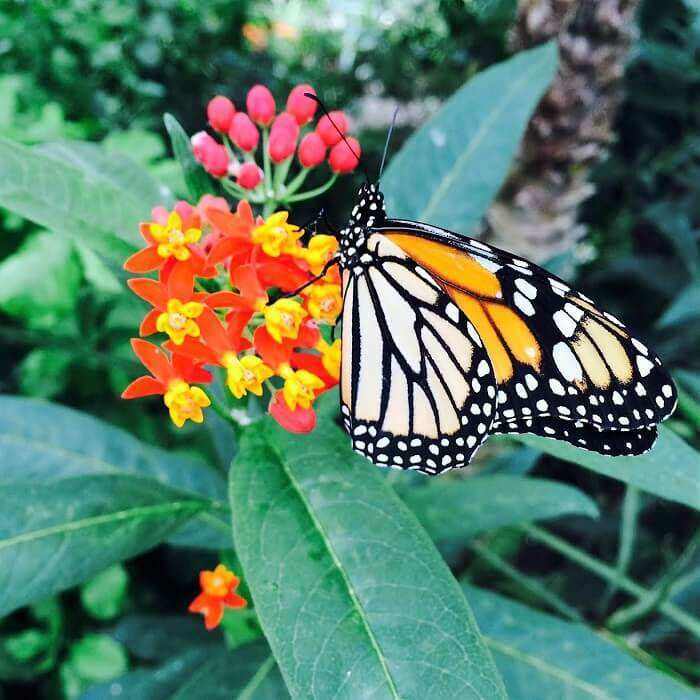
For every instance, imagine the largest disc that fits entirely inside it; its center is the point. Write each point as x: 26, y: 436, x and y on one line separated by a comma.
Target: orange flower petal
x: 143, y: 386
x: 181, y: 282
x: 233, y: 600
x: 153, y: 359
x: 145, y: 260
x: 273, y: 353
x: 149, y: 290
x: 213, y: 332
x: 218, y: 300
x: 148, y: 325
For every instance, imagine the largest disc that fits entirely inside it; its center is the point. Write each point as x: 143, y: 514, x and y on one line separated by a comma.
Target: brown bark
x: 536, y: 213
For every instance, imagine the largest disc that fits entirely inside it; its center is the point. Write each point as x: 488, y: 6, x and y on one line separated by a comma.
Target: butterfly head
x: 369, y: 206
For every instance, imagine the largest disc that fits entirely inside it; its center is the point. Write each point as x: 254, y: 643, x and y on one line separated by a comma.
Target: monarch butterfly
x: 447, y: 340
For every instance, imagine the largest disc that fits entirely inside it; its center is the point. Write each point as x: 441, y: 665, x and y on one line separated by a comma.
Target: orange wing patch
x: 449, y: 264
x: 476, y: 291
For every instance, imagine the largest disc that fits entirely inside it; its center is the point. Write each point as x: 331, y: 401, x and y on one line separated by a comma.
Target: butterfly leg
x: 333, y: 261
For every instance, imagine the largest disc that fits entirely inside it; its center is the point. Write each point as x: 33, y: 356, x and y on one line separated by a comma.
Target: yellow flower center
x: 283, y: 319
x: 300, y: 387
x: 245, y: 374
x: 178, y: 320
x: 276, y: 236
x: 172, y: 240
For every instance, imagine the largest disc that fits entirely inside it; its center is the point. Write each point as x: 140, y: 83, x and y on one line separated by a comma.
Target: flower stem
x: 221, y: 409
x: 310, y: 194
x: 671, y: 610
x: 297, y: 182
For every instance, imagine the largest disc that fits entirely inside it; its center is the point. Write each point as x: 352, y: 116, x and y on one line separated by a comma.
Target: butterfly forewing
x: 417, y: 386
x: 563, y: 368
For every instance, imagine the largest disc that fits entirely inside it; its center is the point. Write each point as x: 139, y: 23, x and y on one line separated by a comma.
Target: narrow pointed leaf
x: 448, y: 172
x: 353, y: 597
x: 196, y: 179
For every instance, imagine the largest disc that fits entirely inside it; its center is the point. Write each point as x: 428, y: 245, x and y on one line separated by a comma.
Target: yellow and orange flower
x: 300, y: 386
x: 218, y: 593
x: 276, y: 236
x: 324, y: 302
x: 283, y: 318
x: 320, y: 250
x: 246, y: 374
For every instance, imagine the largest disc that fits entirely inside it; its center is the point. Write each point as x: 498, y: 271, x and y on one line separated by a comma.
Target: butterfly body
x: 447, y: 340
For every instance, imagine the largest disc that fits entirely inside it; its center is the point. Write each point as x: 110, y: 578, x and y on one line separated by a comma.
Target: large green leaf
x: 542, y: 657
x: 57, y: 534
x: 202, y: 673
x: 353, y: 597
x: 670, y: 470
x: 463, y: 508
x: 449, y: 171
x: 684, y: 309
x: 92, y: 206
x: 41, y: 441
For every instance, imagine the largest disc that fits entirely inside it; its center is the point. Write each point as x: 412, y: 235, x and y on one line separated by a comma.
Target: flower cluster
x: 232, y: 159
x: 240, y: 293
x: 218, y: 592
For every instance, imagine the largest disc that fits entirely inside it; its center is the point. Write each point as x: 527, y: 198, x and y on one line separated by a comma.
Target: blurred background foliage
x: 106, y: 70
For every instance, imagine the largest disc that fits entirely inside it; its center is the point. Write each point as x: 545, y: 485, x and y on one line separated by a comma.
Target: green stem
x: 238, y: 192
x: 670, y: 610
x: 659, y: 593
x: 297, y: 181
x: 281, y: 171
x: 310, y: 194
x: 267, y: 168
x: 528, y: 583
x: 628, y: 530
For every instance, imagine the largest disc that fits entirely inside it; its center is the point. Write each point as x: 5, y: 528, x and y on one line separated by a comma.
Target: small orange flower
x: 324, y: 301
x: 218, y: 592
x: 245, y: 374
x: 283, y: 318
x: 185, y: 402
x: 178, y: 320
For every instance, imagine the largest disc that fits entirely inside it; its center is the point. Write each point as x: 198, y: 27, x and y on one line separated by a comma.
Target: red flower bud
x: 243, y: 132
x: 260, y: 105
x: 327, y: 131
x: 342, y: 159
x: 301, y: 420
x: 220, y: 111
x: 249, y: 176
x: 301, y: 107
x: 312, y: 150
x: 283, y: 137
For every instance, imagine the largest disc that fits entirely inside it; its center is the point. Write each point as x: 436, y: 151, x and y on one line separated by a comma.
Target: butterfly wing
x: 417, y: 387
x: 564, y: 368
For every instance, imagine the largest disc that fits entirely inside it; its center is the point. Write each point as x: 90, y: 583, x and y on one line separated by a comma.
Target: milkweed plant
x: 328, y: 577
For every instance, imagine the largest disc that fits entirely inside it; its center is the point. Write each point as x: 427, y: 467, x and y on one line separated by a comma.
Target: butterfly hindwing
x: 563, y: 368
x: 417, y: 387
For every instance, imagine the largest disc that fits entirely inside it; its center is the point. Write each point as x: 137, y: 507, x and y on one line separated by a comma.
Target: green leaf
x: 40, y: 282
x: 670, y: 470
x: 104, y: 596
x: 96, y: 207
x: 96, y: 657
x: 57, y: 534
x: 684, y: 309
x: 44, y: 441
x: 542, y: 657
x: 352, y: 595
x: 449, y: 171
x: 202, y: 674
x: 461, y: 509
x: 196, y: 179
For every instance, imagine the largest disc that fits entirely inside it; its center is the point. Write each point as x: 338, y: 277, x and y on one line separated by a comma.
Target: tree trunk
x: 536, y: 213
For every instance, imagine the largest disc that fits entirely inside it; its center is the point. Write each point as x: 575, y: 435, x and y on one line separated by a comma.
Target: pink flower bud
x: 249, y: 176
x: 201, y: 143
x: 243, y: 132
x: 301, y: 107
x: 216, y: 160
x: 327, y: 131
x: 342, y: 160
x: 312, y: 150
x: 283, y: 137
x: 260, y: 105
x: 220, y: 111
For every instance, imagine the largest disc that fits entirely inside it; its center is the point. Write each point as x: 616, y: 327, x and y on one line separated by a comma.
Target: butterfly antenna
x: 319, y: 102
x: 388, y: 139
